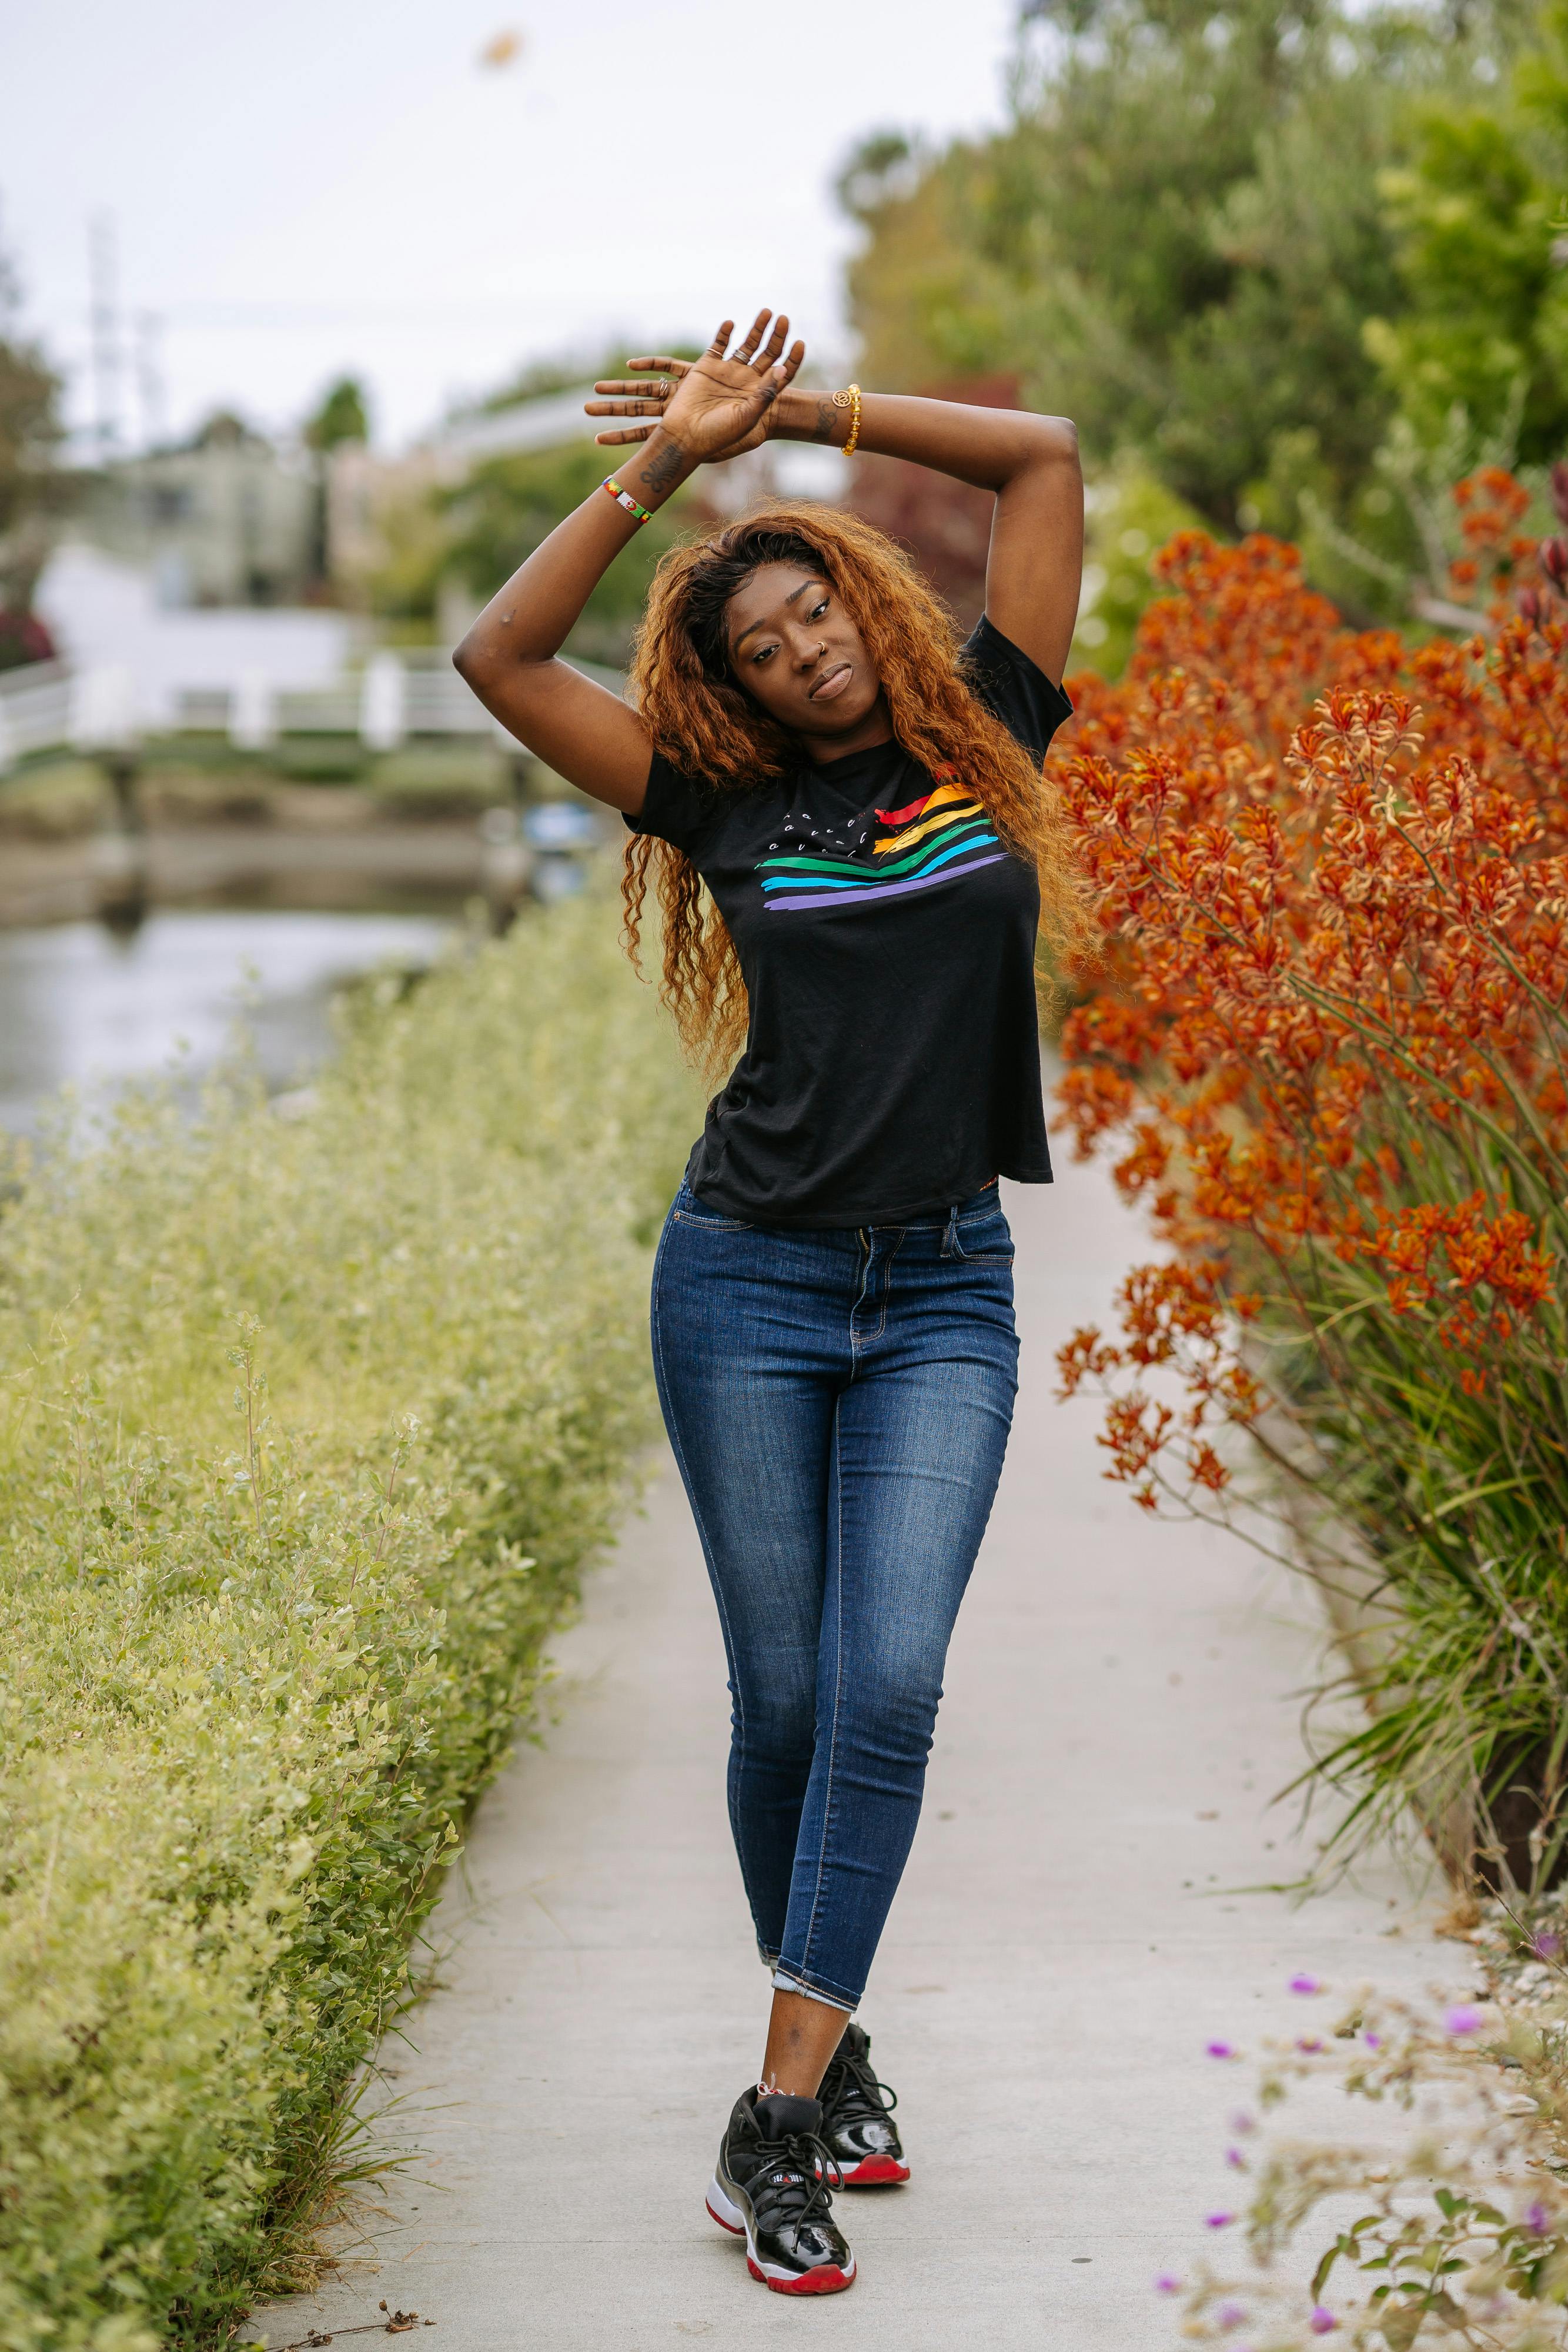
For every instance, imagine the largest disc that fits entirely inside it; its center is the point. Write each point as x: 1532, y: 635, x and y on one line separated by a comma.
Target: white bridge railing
x: 47, y: 705
x: 36, y: 709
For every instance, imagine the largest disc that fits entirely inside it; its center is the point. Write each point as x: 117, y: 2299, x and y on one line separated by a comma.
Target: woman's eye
x: 762, y: 654
x: 819, y: 610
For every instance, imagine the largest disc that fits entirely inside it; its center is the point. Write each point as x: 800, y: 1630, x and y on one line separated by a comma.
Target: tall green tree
x: 342, y: 416
x: 1177, y: 239
x: 1480, y: 213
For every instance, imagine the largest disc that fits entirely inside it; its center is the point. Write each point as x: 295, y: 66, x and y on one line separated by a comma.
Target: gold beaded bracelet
x: 851, y: 400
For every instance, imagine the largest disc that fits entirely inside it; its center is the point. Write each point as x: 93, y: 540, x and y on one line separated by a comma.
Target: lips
x: 832, y: 682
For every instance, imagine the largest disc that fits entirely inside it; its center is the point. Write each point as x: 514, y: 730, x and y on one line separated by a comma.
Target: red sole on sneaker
x: 735, y: 2229
x: 877, y: 2172
x: 830, y: 2280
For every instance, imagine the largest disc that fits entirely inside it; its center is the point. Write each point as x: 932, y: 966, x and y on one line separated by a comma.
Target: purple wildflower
x: 1372, y: 2041
x: 1535, y: 2220
x: 1322, y: 2321
x: 1220, y: 2048
x: 1167, y: 2283
x: 1241, y: 2122
x: 1237, y: 2161
x: 1302, y: 1983
x: 1465, y: 2019
x: 1230, y: 2315
x: 1548, y: 1945
x: 1310, y: 2043
x: 1218, y: 2220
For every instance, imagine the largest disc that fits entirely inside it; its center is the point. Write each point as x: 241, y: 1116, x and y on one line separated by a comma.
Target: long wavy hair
x: 704, y: 724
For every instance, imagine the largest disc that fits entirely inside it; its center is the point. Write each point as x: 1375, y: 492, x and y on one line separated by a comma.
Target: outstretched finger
x: 633, y: 390
x: 626, y: 433
x: 786, y: 370
x: 654, y: 408
x: 775, y: 343
x: 720, y: 344
x: 677, y: 368
x: 752, y: 337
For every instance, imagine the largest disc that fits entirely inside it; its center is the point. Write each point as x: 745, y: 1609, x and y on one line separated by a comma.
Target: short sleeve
x: 675, y: 807
x: 1014, y: 688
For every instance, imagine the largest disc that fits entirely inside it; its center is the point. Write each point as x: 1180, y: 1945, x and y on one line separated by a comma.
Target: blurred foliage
x: 59, y: 799
x: 560, y: 371
x: 475, y: 534
x: 63, y: 797
x: 1130, y: 515
x: 30, y: 483
x: 1298, y: 260
x: 341, y: 417
x: 508, y: 505
x: 1481, y: 241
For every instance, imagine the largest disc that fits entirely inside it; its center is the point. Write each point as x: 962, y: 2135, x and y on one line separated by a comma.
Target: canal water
x: 82, y: 1006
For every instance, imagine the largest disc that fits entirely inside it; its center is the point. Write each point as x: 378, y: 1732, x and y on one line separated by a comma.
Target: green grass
x: 204, y: 781
x: 307, y: 1429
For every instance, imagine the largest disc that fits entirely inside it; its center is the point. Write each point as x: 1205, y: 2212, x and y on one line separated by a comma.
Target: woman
x: 832, y: 1298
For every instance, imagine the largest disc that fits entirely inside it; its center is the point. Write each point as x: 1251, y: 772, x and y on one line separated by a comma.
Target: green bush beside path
x: 307, y: 1428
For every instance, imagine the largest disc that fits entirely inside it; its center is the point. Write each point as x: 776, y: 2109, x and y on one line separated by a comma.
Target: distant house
x: 227, y: 520
x: 381, y: 506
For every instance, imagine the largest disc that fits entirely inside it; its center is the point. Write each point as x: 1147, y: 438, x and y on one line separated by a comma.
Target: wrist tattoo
x: 827, y: 417
x: 664, y: 470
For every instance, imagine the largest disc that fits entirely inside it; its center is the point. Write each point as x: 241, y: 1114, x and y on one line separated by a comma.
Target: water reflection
x: 80, y: 1005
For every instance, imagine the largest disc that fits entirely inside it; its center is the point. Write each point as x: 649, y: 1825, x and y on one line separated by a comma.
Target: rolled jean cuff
x: 783, y: 1982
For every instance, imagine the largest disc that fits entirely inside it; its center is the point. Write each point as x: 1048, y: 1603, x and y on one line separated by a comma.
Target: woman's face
x: 798, y: 655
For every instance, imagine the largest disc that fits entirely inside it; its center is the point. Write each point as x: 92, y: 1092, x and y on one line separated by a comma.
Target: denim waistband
x: 986, y: 1202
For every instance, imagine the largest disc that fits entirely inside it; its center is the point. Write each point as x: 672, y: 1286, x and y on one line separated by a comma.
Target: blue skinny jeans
x: 839, y: 1403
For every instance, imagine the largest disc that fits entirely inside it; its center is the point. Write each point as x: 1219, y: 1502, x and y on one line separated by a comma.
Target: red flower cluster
x: 1328, y: 1039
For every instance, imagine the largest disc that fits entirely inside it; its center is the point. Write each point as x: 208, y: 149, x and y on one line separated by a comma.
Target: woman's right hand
x: 715, y: 407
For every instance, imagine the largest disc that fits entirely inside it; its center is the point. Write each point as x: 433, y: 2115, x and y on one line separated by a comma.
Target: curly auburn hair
x: 704, y: 724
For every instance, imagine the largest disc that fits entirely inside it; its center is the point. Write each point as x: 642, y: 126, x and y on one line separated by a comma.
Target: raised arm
x: 509, y: 656
x: 1035, y: 566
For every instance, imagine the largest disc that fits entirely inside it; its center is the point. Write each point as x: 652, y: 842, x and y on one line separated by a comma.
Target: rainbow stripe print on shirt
x: 932, y: 840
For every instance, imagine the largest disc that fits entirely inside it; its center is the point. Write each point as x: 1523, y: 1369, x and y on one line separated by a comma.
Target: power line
x: 272, y: 316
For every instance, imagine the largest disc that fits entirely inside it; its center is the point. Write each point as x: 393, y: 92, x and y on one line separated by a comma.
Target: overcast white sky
x: 314, y: 186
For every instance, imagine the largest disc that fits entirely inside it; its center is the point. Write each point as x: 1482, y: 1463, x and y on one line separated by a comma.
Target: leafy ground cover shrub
x: 307, y: 1428
x: 1330, y: 1051
x: 1446, y: 2225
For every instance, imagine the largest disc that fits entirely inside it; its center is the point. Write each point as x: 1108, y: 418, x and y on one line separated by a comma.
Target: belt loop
x: 951, y: 1245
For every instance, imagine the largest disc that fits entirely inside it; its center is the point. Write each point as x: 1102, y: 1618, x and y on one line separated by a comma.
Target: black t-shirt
x: 891, y: 1063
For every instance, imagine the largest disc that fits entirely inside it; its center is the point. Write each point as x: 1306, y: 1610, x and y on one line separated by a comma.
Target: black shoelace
x: 858, y: 2096
x: 792, y: 2180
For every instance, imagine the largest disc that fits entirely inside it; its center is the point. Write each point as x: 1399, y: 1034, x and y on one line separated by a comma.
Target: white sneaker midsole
x: 724, y: 2209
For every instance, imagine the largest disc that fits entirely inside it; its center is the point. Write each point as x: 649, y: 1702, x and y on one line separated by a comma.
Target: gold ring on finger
x: 663, y: 387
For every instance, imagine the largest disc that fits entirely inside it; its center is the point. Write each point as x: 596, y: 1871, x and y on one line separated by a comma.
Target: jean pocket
x: 707, y: 1222
x: 988, y: 1242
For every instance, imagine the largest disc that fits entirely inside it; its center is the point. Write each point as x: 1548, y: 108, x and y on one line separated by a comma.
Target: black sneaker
x: 771, y: 2185
x: 856, y: 2109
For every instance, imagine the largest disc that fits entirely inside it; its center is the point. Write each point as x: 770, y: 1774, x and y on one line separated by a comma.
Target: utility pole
x: 150, y: 378
x: 102, y: 277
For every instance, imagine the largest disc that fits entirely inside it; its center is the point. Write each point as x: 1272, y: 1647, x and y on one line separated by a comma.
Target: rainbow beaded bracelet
x: 625, y: 499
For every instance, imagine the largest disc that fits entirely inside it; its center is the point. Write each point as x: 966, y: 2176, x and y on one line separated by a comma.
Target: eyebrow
x: 789, y: 600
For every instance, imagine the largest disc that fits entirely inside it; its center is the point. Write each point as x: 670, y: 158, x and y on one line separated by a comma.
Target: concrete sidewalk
x: 1119, y: 1710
